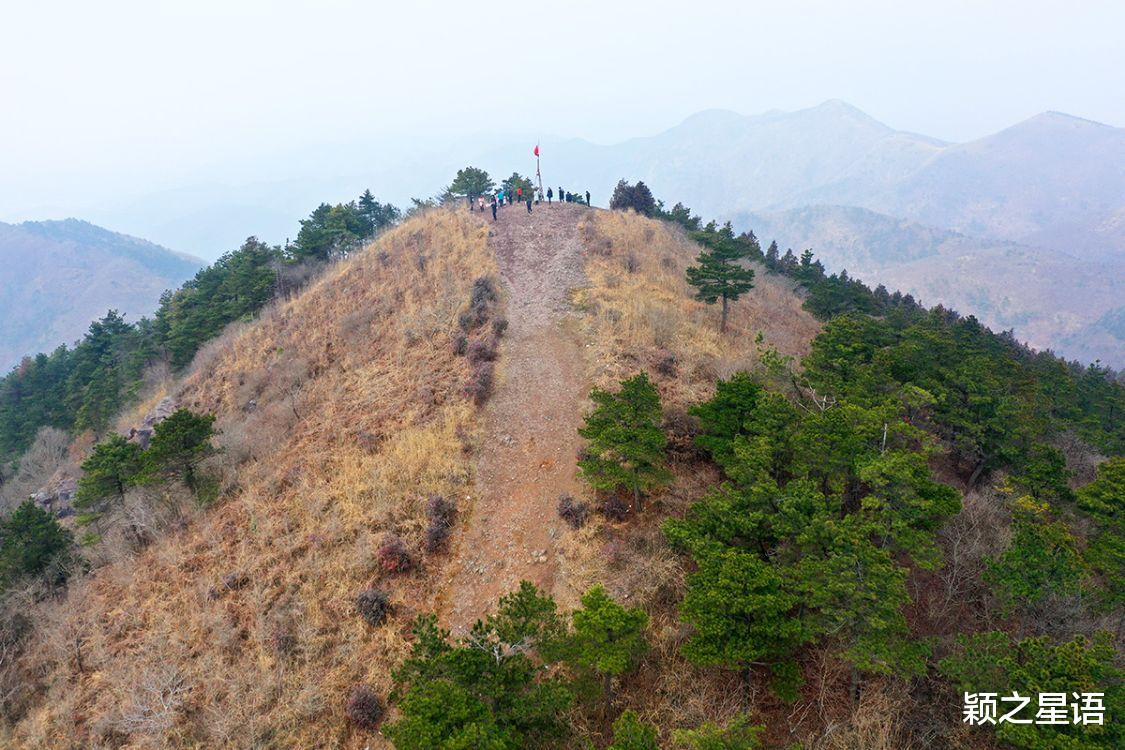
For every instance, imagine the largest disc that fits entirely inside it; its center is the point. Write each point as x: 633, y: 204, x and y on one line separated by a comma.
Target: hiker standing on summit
x: 587, y: 197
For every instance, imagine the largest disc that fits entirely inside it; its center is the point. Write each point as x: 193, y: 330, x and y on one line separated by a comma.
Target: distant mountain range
x: 1025, y: 227
x: 58, y: 276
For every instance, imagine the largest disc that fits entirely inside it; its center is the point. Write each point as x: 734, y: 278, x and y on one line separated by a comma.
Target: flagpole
x: 538, y: 174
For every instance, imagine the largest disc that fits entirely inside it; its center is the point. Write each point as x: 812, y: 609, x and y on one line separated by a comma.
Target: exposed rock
x: 57, y: 495
x: 143, y: 434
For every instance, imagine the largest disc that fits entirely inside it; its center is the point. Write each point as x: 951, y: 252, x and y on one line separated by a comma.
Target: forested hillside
x: 57, y: 276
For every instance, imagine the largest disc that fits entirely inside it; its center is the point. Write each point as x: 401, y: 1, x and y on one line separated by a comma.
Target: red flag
x: 537, y: 149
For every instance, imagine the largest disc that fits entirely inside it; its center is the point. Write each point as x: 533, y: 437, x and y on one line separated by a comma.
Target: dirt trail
x: 530, y: 439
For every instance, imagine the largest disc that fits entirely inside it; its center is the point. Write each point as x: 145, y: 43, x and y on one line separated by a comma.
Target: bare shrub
x: 499, y: 326
x: 874, y: 724
x: 482, y: 350
x: 439, y: 515
x: 15, y: 630
x: 614, y: 551
x: 631, y: 263
x: 614, y: 507
x: 364, y: 709
x: 155, y: 701
x: 373, y: 606
x: 979, y: 532
x: 681, y: 427
x: 482, y: 299
x: 460, y: 344
x: 291, y: 278
x: 46, y: 455
x: 480, y: 384
x: 282, y: 638
x: 393, y: 556
x: 574, y: 512
x: 666, y: 365
x: 355, y: 327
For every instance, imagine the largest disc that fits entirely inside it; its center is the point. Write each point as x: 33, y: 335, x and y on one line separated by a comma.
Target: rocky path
x: 530, y: 439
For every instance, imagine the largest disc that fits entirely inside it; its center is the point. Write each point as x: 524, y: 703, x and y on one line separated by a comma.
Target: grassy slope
x: 357, y: 418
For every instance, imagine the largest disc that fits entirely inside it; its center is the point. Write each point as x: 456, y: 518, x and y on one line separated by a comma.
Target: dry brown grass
x: 340, y: 411
x: 638, y: 309
x: 638, y: 313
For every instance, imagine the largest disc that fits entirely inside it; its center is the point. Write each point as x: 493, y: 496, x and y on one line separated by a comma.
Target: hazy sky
x: 134, y: 95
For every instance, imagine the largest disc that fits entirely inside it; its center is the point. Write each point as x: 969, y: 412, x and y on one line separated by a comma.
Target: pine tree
x: 993, y: 662
x: 1041, y: 559
x: 739, y: 734
x: 518, y: 182
x: 639, y: 198
x: 179, y: 444
x: 31, y: 541
x: 630, y: 733
x: 489, y: 689
x: 376, y: 215
x: 719, y: 275
x: 608, y: 638
x: 1104, y: 501
x: 625, y: 447
x: 471, y: 182
x: 113, y: 465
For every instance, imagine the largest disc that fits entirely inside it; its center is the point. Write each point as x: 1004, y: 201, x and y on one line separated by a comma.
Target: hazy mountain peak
x: 1054, y: 118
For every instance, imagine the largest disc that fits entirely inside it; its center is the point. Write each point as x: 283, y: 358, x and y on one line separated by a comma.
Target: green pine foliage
x: 739, y: 734
x: 721, y: 274
x: 1041, y: 560
x: 471, y: 182
x: 608, y: 638
x: 490, y: 689
x: 518, y: 182
x: 238, y: 284
x: 1103, y: 500
x: 990, y: 401
x: 179, y: 443
x: 630, y: 733
x: 32, y: 543
x: 625, y: 445
x: 805, y: 541
x: 107, y: 473
x: 637, y: 197
x: 993, y: 662
x: 333, y: 232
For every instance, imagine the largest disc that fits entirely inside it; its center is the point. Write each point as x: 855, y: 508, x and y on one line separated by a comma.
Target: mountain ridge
x: 58, y: 276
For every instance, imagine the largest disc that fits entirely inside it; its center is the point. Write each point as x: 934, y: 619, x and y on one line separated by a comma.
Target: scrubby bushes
x: 574, y: 512
x: 478, y: 346
x: 373, y: 606
x: 482, y: 300
x: 482, y: 350
x: 480, y: 384
x: 393, y: 556
x: 439, y: 516
x: 364, y: 708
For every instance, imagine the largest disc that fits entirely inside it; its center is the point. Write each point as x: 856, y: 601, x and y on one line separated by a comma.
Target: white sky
x: 135, y: 95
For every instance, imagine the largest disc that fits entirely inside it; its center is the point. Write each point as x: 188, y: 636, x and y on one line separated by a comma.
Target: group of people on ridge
x: 502, y: 196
